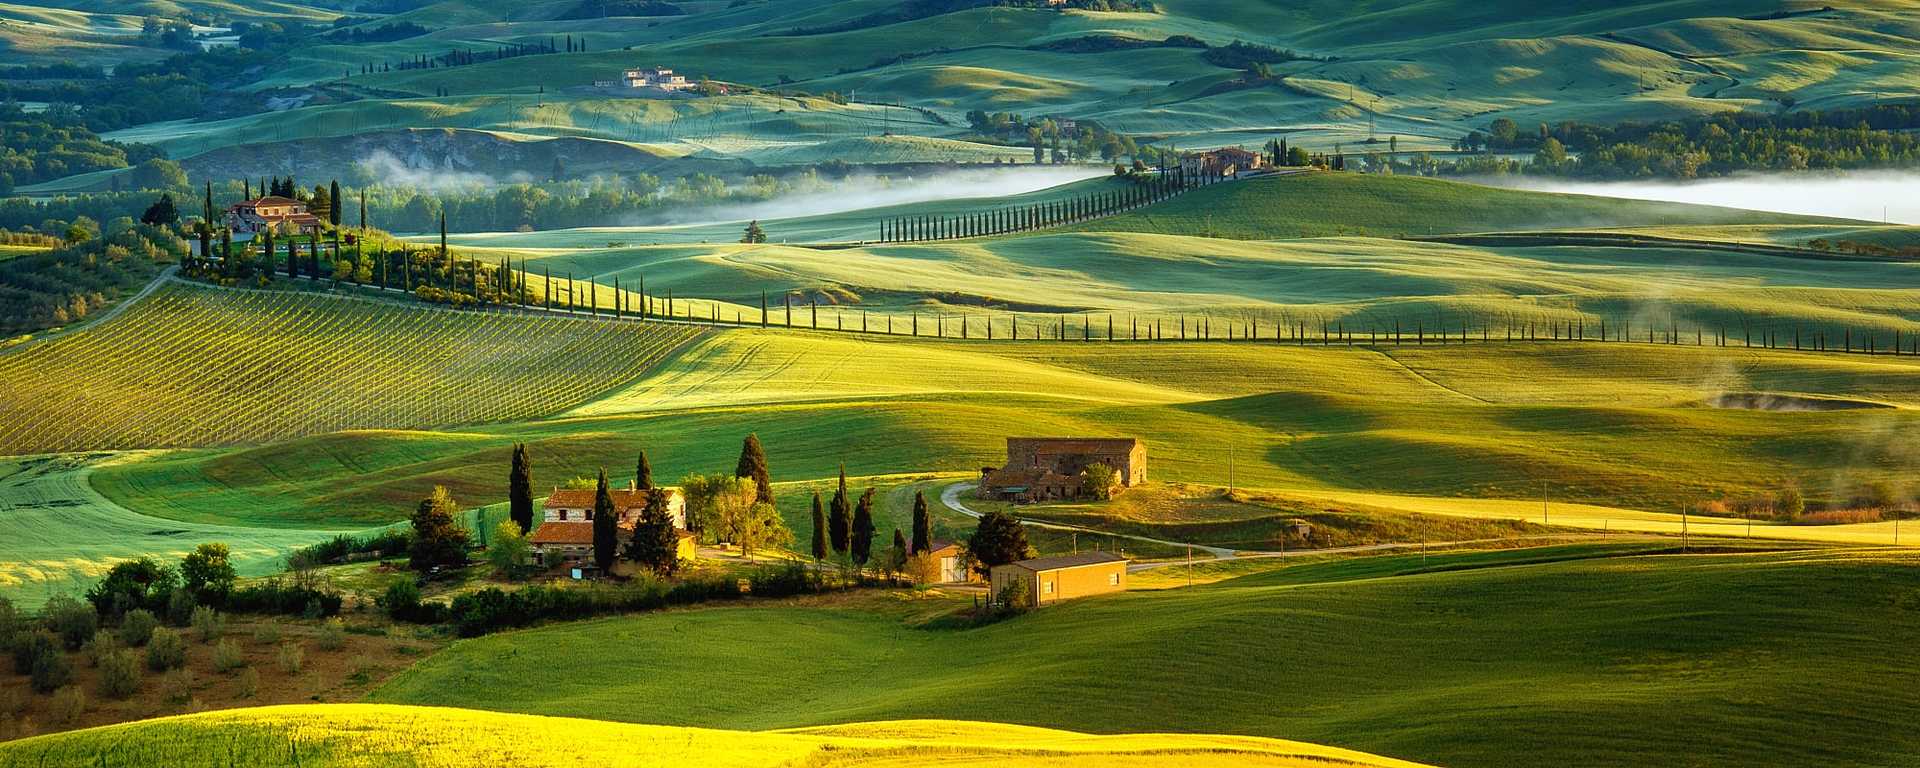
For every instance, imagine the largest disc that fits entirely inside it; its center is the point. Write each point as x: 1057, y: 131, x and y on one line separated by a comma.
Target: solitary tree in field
x: 520, y: 490
x: 997, y: 540
x: 606, y: 525
x: 754, y: 233
x: 862, y: 534
x: 753, y: 464
x: 922, y: 525
x: 437, y: 540
x: 840, y: 521
x: 643, y: 473
x: 819, y: 530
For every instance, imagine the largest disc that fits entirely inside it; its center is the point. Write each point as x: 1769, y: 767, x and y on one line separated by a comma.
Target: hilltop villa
x: 252, y: 216
x: 658, y: 78
x: 1225, y: 161
x: 1050, y: 468
x: 565, y: 533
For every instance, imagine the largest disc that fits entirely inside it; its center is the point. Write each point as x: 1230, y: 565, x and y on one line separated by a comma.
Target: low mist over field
x: 863, y: 191
x: 1868, y: 196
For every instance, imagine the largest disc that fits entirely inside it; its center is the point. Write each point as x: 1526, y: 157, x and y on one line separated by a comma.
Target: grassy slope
x: 1323, y: 204
x: 194, y: 365
x: 357, y: 734
x: 61, y: 535
x: 1615, y: 424
x: 1427, y: 665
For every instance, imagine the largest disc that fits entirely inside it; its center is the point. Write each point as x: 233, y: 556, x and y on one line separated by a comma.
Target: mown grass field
x: 1614, y: 425
x: 203, y: 366
x: 364, y: 734
x: 1572, y: 659
x: 61, y: 535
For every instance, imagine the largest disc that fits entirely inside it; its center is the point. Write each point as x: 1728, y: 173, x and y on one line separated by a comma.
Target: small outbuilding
x: 1052, y: 579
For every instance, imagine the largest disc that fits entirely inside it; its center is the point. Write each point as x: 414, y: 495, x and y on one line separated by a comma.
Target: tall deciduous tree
x: 437, y: 539
x: 840, y: 515
x: 997, y: 540
x: 819, y: 529
x: 753, y: 464
x: 606, y: 525
x: 922, y: 525
x: 520, y: 490
x: 762, y: 528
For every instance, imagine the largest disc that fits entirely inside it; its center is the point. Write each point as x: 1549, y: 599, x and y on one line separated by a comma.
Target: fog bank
x: 862, y: 191
x: 1865, y: 195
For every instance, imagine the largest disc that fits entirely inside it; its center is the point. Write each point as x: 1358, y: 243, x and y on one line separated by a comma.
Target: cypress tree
x: 862, y: 534
x: 753, y: 463
x: 643, y: 473
x: 334, y: 202
x: 922, y: 524
x: 606, y: 525
x: 819, y: 530
x: 840, y: 524
x: 520, y: 490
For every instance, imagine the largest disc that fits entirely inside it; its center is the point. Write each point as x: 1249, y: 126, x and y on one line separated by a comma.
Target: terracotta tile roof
x: 1069, y: 561
x: 582, y: 498
x: 562, y: 533
x: 939, y: 548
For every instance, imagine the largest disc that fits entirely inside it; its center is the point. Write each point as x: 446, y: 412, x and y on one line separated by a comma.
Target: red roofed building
x: 565, y: 533
x: 272, y: 211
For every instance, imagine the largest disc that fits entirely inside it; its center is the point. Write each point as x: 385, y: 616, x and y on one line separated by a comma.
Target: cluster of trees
x: 601, y: 9
x: 1249, y: 56
x: 1876, y: 137
x: 1062, y: 141
x: 57, y: 143
x: 912, y: 10
x: 1149, y: 188
x: 385, y: 33
x: 66, y: 284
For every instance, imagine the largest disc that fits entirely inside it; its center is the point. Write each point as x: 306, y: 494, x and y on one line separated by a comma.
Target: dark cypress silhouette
x: 922, y: 524
x: 819, y: 529
x: 753, y: 463
x: 606, y: 525
x: 643, y: 473
x: 862, y: 534
x: 520, y: 490
x: 840, y: 522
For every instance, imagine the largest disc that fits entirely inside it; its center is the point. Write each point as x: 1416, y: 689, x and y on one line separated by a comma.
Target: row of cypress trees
x: 1146, y: 190
x: 844, y: 526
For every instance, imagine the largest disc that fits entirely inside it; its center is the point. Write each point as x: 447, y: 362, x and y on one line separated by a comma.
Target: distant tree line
x: 913, y: 10
x: 1058, y: 139
x: 1147, y: 189
x: 57, y: 143
x: 1882, y: 136
x: 601, y: 9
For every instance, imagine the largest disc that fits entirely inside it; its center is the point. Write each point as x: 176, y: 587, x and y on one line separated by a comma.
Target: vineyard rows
x: 192, y: 366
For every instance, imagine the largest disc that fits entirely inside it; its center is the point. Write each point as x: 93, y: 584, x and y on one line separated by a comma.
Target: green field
x: 62, y: 535
x: 1615, y: 425
x: 364, y: 734
x: 203, y: 366
x: 1578, y: 662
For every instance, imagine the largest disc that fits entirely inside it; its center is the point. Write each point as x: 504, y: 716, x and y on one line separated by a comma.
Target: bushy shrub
x: 402, y: 602
x: 28, y: 646
x: 276, y: 597
x: 228, y: 657
x: 180, y: 607
x: 176, y: 687
x: 208, y: 624
x: 119, y: 674
x: 103, y: 643
x: 333, y: 635
x: 68, y: 705
x: 11, y: 623
x: 249, y: 683
x: 266, y: 633
x: 49, y: 669
x: 165, y: 650
x: 136, y: 626
x: 74, y: 621
x: 292, y: 658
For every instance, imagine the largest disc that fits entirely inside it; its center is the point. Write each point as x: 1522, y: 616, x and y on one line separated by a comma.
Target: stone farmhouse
x: 1226, y: 161
x: 1051, y: 468
x: 1052, y: 579
x: 271, y: 212
x: 657, y: 78
x: 952, y: 561
x: 565, y: 533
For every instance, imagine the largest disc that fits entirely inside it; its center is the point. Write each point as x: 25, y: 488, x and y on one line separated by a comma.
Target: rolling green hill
x: 363, y: 734
x: 204, y: 366
x: 1460, y: 660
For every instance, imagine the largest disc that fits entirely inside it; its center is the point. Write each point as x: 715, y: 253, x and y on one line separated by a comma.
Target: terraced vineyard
x: 193, y: 366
